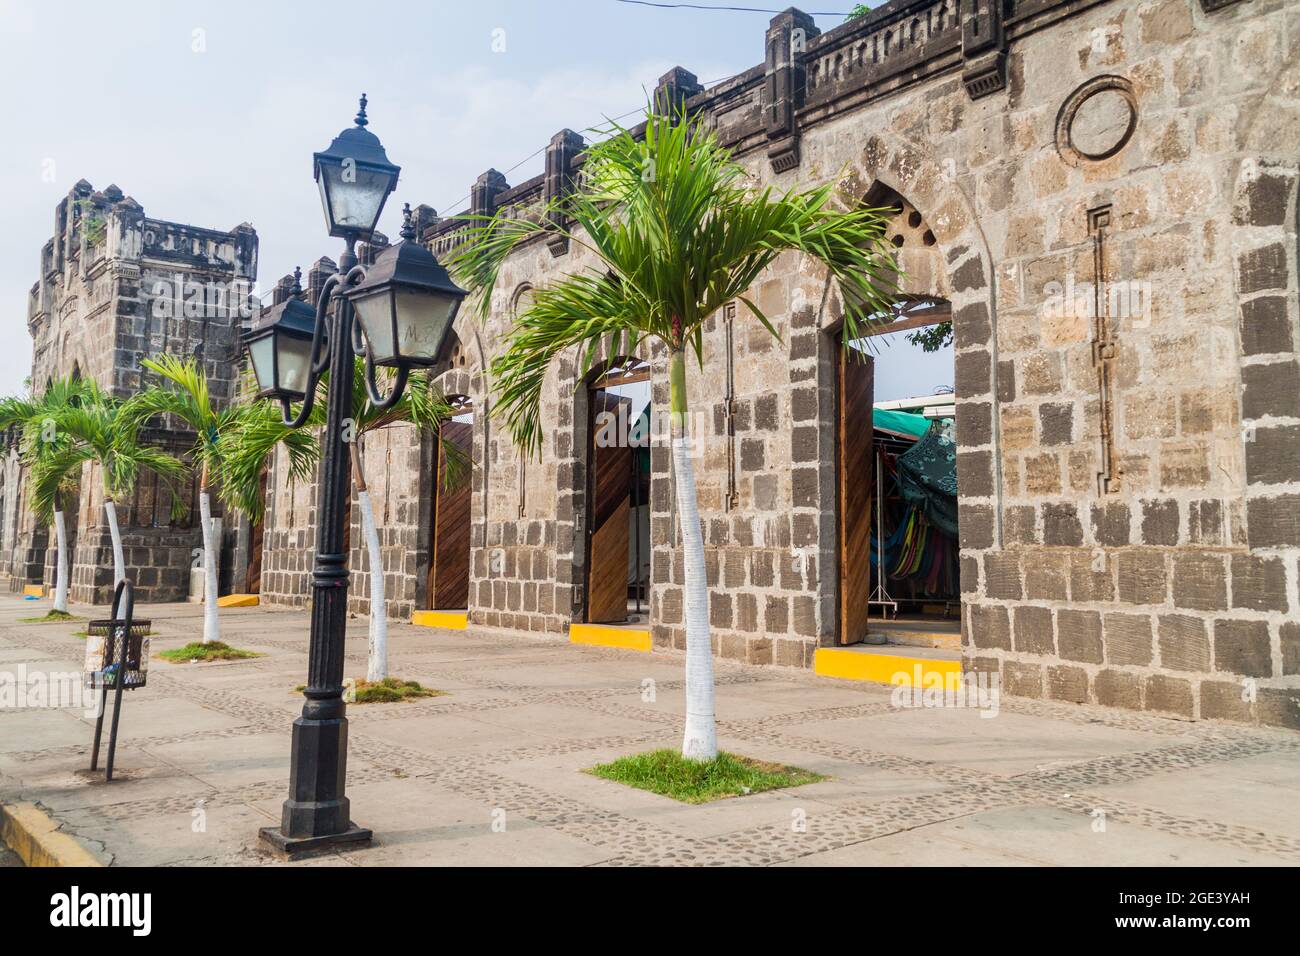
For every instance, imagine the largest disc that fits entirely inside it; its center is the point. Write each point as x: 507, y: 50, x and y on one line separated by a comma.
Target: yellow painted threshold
x: 451, y: 620
x: 38, y: 841
x: 895, y: 669
x: 238, y: 600
x: 33, y: 590
x: 605, y: 635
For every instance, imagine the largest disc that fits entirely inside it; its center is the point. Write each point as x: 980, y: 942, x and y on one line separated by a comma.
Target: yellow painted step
x: 238, y: 600
x: 871, y: 664
x: 34, y: 590
x: 450, y: 620
x: 607, y: 635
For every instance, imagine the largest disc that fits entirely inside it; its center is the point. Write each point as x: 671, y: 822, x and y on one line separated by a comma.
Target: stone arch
x: 935, y: 210
x: 456, y: 381
x: 917, y: 253
x: 524, y: 289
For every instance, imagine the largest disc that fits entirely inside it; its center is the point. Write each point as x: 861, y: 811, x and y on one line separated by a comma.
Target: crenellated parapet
x: 807, y: 78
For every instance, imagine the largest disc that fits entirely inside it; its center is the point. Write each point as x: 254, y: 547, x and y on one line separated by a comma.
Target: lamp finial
x: 408, y: 223
x: 361, y: 113
x: 297, y: 281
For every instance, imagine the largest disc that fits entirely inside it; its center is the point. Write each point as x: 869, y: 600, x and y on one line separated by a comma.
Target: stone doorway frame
x: 904, y: 168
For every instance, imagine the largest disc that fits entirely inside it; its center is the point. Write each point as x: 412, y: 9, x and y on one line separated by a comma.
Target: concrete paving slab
x: 1032, y: 836
x: 563, y: 721
x: 189, y: 837
x: 68, y: 783
x: 40, y: 729
x: 452, y: 734
x: 1005, y: 745
x: 1256, y: 792
x: 209, y: 744
x: 230, y: 762
x: 151, y: 715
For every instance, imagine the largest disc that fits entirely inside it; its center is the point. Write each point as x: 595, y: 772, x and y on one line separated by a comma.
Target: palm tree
x: 100, y: 429
x: 184, y: 394
x: 677, y: 232
x: 33, y: 417
x: 420, y: 405
x: 245, y: 453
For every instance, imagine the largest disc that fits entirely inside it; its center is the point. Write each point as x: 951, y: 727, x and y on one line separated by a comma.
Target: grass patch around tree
x: 49, y: 618
x: 390, y: 690
x: 668, y: 773
x: 216, y: 651
x: 387, y: 691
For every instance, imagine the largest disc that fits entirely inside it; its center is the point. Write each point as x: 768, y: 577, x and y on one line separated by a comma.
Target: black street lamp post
x: 406, y: 303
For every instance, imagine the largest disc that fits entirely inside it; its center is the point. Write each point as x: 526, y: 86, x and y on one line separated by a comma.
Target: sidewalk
x: 203, y: 763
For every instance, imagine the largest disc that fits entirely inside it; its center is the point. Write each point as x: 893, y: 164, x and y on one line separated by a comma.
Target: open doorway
x: 448, y: 583
x: 897, y: 455
x: 618, y: 495
x: 256, y: 537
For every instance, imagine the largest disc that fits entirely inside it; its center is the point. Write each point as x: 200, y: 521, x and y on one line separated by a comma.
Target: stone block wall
x: 1128, y: 473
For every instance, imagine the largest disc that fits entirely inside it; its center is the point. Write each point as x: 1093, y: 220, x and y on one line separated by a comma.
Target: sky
x: 208, y: 113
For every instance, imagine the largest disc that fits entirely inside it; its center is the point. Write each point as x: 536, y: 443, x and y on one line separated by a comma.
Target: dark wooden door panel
x: 449, y: 574
x: 256, y: 536
x: 609, y: 505
x: 856, y: 477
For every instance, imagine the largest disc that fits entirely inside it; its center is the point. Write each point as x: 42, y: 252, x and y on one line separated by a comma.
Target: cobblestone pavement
x: 491, y: 773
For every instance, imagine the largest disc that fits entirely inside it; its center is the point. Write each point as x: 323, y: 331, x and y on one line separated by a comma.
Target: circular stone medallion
x: 1096, y: 121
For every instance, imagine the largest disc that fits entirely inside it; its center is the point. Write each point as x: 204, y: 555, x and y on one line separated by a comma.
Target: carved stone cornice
x: 983, y: 48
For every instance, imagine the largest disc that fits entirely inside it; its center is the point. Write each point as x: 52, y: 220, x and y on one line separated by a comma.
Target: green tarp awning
x: 901, y: 423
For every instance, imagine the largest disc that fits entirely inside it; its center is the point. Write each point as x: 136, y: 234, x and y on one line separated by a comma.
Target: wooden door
x: 256, y: 534
x: 449, y: 569
x: 609, y: 509
x: 856, y: 478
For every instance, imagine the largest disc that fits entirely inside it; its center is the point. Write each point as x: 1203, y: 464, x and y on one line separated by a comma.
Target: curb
x: 882, y: 668
x: 605, y: 635
x: 448, y: 620
x: 31, y: 833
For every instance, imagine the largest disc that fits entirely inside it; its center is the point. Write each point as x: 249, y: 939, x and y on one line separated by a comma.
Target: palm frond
x: 244, y: 447
x: 679, y: 231
x: 52, y: 473
x: 183, y: 394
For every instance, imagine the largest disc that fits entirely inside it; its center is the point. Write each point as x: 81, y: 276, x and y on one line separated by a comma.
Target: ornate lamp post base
x: 317, y: 814
x: 294, y: 847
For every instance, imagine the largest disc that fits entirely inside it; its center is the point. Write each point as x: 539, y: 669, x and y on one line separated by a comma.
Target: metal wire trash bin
x: 104, y: 652
x: 117, y: 656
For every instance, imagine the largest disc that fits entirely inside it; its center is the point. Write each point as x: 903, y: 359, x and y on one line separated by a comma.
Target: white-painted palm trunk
x: 211, y: 619
x: 701, y: 738
x: 61, y: 565
x: 119, y: 560
x: 377, y: 660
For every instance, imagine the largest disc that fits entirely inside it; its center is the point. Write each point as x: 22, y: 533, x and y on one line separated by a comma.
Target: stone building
x: 1102, y: 196
x: 115, y: 287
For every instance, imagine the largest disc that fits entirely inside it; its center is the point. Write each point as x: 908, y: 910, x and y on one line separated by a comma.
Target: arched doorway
x: 897, y: 543
x: 449, y: 564
x: 617, y: 562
